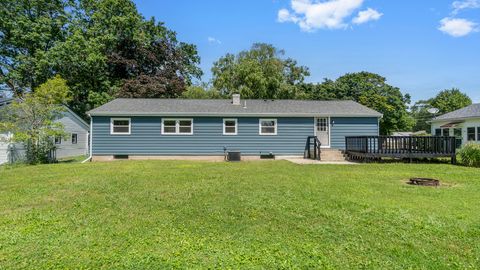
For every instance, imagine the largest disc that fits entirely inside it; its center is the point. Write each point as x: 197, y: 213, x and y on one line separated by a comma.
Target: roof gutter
x: 454, y: 119
x: 232, y: 114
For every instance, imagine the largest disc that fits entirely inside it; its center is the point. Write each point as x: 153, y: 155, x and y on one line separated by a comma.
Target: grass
x: 272, y: 214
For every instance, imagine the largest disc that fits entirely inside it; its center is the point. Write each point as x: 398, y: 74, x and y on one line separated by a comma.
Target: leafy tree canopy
x: 445, y: 101
x: 201, y: 92
x: 103, y: 48
x: 370, y: 90
x: 28, y: 30
x: 450, y: 100
x: 261, y: 72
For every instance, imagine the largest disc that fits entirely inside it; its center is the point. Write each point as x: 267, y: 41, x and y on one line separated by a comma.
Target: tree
x: 319, y: 91
x: 450, y: 100
x: 372, y: 91
x: 261, y: 72
x: 31, y: 119
x: 421, y: 115
x: 155, y: 70
x: 445, y: 101
x: 117, y: 53
x: 28, y: 30
x: 102, y: 48
x: 200, y: 92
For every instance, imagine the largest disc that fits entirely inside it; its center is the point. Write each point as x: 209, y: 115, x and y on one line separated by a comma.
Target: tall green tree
x: 103, y: 48
x: 117, y: 53
x: 445, y: 101
x: 370, y: 90
x: 261, y: 72
x: 450, y: 100
x: 28, y: 30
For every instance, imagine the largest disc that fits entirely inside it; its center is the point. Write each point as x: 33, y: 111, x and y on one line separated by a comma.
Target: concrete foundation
x: 199, y: 158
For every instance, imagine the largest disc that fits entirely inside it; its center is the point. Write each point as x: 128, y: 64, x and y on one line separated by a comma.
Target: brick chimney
x: 236, y: 99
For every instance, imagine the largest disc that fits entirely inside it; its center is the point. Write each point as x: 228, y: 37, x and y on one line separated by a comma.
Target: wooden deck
x: 377, y: 147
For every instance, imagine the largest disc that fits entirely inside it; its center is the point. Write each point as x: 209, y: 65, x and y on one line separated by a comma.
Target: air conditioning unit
x: 234, y: 156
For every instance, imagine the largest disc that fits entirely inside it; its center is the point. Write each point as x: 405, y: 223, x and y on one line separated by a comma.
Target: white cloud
x: 367, y: 15
x: 213, y: 40
x: 457, y: 27
x: 465, y: 4
x: 310, y: 15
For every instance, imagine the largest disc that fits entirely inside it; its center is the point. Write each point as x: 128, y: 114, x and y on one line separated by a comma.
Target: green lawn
x: 272, y: 214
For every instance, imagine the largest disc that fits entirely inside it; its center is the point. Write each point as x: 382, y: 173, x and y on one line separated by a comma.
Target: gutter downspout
x: 90, y: 140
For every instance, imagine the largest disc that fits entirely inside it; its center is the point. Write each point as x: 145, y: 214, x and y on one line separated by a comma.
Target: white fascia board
x: 190, y: 114
x: 454, y: 119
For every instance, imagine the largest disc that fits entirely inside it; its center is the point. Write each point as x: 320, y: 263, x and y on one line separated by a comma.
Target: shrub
x: 470, y: 155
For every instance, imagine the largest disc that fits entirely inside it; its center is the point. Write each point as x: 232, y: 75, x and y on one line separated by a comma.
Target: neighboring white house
x: 463, y: 124
x: 75, y: 144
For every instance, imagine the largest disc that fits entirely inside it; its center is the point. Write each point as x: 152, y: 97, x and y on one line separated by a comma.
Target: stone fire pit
x: 424, y: 182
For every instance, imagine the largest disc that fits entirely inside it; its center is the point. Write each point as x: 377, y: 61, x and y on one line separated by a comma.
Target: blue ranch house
x: 192, y: 128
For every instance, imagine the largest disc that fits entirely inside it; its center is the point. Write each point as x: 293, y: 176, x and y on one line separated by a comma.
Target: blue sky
x: 420, y: 46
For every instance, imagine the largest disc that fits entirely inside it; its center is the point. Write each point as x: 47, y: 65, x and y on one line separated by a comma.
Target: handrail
x: 410, y: 146
x: 317, y: 150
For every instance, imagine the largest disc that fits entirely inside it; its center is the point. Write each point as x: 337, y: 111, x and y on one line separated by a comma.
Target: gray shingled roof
x: 467, y: 112
x: 224, y: 107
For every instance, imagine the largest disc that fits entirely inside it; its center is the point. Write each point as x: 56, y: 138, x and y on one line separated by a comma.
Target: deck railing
x: 402, y: 146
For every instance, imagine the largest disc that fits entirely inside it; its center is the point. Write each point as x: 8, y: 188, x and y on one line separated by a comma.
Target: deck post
x: 453, y: 150
x: 409, y: 149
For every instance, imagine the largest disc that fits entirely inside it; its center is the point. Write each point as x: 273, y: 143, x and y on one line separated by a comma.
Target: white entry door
x: 322, y: 130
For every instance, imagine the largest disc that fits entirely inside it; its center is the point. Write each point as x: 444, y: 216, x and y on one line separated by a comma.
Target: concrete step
x: 332, y: 155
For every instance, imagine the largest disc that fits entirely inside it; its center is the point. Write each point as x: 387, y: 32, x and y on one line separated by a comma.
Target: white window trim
x: 177, y: 126
x: 260, y: 126
x: 236, y: 126
x: 474, y: 134
x: 121, y: 133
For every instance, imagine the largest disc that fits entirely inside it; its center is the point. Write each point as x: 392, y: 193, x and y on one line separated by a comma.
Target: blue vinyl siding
x: 351, y: 126
x: 207, y: 138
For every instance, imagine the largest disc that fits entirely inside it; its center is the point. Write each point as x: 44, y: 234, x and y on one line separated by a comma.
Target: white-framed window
x: 58, y: 139
x: 267, y: 127
x: 120, y: 126
x: 177, y: 126
x: 230, y: 126
x: 470, y: 134
x: 74, y: 138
